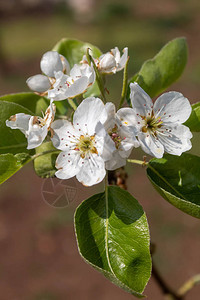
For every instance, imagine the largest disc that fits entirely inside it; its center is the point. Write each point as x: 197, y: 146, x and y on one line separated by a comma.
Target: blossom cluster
x: 99, y: 138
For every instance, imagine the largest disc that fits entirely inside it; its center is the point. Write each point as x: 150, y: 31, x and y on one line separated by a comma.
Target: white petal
x: 104, y: 144
x: 140, y: 100
x: 116, y: 54
x: 65, y: 64
x: 172, y: 107
x: 150, y: 145
x: 110, y: 120
x: 116, y: 162
x: 107, y: 63
x: 75, y: 71
x: 127, y: 116
x: 175, y: 140
x: 50, y: 63
x: 63, y: 135
x: 123, y: 60
x: 88, y: 114
x: 19, y: 121
x: 36, y: 136
x: 77, y: 88
x: 67, y: 164
x: 38, y: 83
x: 92, y: 171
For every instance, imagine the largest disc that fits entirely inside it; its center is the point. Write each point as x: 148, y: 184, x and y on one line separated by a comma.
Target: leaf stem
x: 99, y: 78
x: 188, y: 285
x: 72, y: 104
x: 45, y: 152
x: 139, y: 162
x: 125, y: 84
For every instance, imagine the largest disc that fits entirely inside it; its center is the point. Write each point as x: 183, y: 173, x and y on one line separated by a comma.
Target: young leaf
x: 194, y: 120
x: 44, y: 164
x: 11, y: 140
x: 74, y: 50
x: 177, y: 179
x: 166, y: 67
x: 10, y: 164
x: 113, y: 237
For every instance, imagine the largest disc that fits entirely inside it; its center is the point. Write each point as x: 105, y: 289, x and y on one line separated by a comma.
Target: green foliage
x: 113, y: 236
x: 31, y: 101
x: 44, y: 164
x: 177, y: 179
x: 11, y: 140
x: 10, y: 164
x: 194, y: 120
x: 160, y: 72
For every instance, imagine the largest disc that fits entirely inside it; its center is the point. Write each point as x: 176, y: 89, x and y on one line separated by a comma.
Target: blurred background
x: 39, y: 259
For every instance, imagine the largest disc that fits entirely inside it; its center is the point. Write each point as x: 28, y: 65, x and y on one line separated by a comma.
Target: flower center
x: 85, y: 145
x: 113, y: 133
x: 152, y: 124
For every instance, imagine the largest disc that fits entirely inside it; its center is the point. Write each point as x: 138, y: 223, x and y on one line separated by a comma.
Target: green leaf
x: 11, y: 140
x: 31, y: 101
x: 177, y: 179
x: 10, y: 164
x: 113, y: 237
x: 165, y: 68
x: 44, y: 164
x: 194, y: 120
x: 74, y: 50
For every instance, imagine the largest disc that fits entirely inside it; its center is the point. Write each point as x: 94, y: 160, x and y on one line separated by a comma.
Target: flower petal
x: 172, y: 107
x: 141, y: 102
x: 38, y: 83
x: 175, y: 140
x: 151, y: 145
x: 19, y: 121
x: 104, y: 144
x: 63, y: 135
x: 116, y: 162
x: 92, y: 171
x: 65, y: 64
x: 127, y: 116
x: 88, y: 114
x: 50, y: 63
x: 107, y: 63
x: 67, y: 164
x: 36, y: 136
x: 123, y: 60
x: 77, y: 88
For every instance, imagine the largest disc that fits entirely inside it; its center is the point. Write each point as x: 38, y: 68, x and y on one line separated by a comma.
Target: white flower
x: 123, y: 140
x: 50, y: 63
x: 110, y: 62
x: 85, y: 144
x: 159, y: 127
x: 35, y: 128
x: 72, y: 85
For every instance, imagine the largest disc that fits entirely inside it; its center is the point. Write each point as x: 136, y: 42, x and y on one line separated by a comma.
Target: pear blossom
x: 159, y: 126
x: 50, y: 63
x: 122, y: 138
x: 34, y: 128
x: 84, y: 143
x: 69, y: 86
x: 110, y: 62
